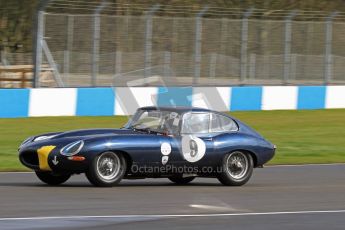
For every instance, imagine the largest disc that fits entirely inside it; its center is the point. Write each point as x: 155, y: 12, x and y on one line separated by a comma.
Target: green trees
x: 16, y: 22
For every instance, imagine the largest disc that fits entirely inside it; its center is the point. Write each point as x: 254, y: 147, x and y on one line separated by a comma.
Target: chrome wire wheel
x: 107, y: 169
x: 108, y: 166
x: 237, y: 165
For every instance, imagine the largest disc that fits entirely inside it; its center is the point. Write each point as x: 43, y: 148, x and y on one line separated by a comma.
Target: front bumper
x: 48, y: 158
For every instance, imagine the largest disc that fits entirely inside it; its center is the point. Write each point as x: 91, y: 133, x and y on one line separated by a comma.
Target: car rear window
x: 220, y: 123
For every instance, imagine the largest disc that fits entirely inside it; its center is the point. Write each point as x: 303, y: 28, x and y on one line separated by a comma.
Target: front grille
x: 29, y: 158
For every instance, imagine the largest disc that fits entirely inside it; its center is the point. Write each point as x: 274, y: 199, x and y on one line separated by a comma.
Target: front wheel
x: 107, y: 169
x: 52, y: 179
x: 237, y: 168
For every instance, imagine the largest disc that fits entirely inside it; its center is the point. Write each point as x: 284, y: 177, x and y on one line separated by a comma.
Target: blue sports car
x: 178, y: 143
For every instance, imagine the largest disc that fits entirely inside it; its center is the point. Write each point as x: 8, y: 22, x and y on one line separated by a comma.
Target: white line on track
x: 171, y: 215
x: 225, y: 208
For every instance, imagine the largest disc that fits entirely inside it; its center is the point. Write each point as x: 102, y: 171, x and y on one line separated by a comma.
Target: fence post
x: 293, y: 67
x: 69, y: 44
x: 3, y: 58
x: 198, y: 35
x: 148, y: 41
x: 252, y: 66
x: 96, y: 40
x: 38, y: 50
x: 39, y: 36
x: 287, y: 46
x: 328, y: 48
x: 244, y: 44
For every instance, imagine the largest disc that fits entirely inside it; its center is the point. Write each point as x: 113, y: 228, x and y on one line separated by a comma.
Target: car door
x: 194, y: 145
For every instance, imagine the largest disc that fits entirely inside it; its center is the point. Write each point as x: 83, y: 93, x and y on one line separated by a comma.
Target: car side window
x: 196, y: 123
x: 220, y: 123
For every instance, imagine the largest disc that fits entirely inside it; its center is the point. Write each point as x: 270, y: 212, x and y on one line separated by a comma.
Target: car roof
x: 178, y: 109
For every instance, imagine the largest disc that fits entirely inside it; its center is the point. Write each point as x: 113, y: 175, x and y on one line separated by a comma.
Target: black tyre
x: 52, y: 179
x: 181, y: 180
x: 107, y: 169
x: 237, y: 168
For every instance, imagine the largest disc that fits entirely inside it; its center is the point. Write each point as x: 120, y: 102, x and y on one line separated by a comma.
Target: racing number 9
x: 193, y: 148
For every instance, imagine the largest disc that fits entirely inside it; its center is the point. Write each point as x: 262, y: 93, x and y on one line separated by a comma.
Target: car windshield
x: 155, y: 120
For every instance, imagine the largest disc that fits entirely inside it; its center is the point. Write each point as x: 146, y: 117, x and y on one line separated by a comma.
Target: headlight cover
x: 41, y: 138
x: 72, y: 148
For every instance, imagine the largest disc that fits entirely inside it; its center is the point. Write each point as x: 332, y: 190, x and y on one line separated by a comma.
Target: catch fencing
x: 94, y: 49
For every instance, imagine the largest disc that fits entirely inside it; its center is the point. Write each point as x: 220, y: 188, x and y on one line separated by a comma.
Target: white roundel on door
x: 193, y: 148
x: 165, y: 148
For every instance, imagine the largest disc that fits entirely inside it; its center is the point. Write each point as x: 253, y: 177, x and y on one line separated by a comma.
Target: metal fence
x: 90, y: 49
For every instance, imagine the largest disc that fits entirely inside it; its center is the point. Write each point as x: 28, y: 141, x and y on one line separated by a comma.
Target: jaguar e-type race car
x: 176, y: 143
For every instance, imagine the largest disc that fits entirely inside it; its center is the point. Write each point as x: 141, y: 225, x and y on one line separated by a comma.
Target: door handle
x: 208, y: 139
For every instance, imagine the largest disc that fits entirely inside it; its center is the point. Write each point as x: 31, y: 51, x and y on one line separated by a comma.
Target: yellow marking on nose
x: 43, y: 154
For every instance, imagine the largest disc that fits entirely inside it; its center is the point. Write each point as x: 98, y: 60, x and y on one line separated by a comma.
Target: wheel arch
x: 128, y: 158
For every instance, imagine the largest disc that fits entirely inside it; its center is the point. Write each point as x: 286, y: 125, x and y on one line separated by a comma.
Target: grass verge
x: 315, y: 136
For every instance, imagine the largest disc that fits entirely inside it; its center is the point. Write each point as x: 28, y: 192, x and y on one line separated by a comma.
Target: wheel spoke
x: 108, y: 166
x: 237, y: 165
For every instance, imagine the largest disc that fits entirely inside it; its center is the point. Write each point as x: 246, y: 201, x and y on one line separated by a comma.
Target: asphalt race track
x: 284, y: 197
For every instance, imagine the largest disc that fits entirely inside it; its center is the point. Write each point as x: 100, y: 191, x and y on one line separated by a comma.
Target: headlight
x: 41, y: 138
x: 72, y: 148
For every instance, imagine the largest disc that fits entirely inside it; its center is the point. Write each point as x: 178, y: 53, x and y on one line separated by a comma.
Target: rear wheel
x: 52, y: 179
x: 107, y: 169
x: 237, y: 168
x: 181, y: 180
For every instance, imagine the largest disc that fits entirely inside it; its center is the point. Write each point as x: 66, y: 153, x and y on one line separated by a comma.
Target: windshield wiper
x: 148, y: 130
